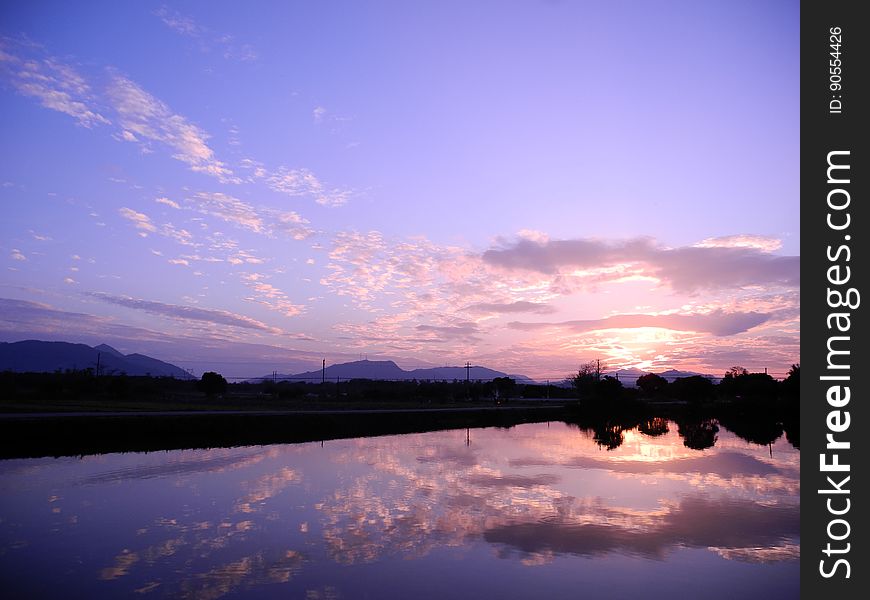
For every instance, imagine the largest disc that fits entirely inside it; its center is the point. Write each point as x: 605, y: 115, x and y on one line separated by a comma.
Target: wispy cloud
x: 520, y: 306
x: 141, y: 221
x: 39, y: 237
x: 270, y: 296
x: 718, y: 323
x: 266, y: 221
x: 760, y: 242
x: 229, y: 209
x: 207, y: 40
x: 187, y: 313
x: 685, y: 269
x: 168, y: 202
x: 146, y: 118
x: 448, y: 333
x: 56, y: 85
x: 178, y: 22
x: 302, y: 182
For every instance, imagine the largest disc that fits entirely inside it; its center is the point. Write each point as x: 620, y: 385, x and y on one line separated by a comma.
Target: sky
x: 525, y: 185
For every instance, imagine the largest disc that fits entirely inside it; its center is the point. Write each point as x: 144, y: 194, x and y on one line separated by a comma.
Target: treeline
x: 427, y: 391
x: 587, y: 388
x: 82, y: 384
x: 738, y: 386
x: 699, y: 430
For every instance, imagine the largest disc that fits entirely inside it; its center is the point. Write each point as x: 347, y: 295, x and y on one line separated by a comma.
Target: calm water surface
x: 536, y: 511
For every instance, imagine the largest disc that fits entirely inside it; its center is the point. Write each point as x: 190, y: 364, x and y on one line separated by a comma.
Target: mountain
x: 38, y: 356
x: 673, y: 374
x: 387, y: 369
x: 359, y: 369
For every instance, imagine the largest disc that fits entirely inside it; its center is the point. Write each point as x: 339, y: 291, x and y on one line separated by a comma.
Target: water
x: 536, y: 511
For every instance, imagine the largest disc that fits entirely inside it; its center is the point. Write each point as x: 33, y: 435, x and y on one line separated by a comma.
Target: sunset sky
x: 526, y: 185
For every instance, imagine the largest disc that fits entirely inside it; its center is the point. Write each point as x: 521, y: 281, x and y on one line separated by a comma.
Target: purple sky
x: 524, y: 185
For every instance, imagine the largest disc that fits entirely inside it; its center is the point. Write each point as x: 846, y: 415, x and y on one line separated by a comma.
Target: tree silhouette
x: 736, y: 372
x: 505, y: 387
x: 791, y: 385
x: 212, y: 383
x: 654, y: 427
x: 652, y: 384
x: 693, y: 389
x: 698, y: 434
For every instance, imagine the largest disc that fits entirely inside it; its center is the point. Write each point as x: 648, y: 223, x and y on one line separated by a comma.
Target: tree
x: 609, y: 387
x: 652, y: 384
x: 654, y: 427
x: 791, y: 385
x: 585, y: 379
x: 698, y: 434
x: 691, y: 389
x: 735, y: 372
x: 740, y: 384
x: 212, y: 383
x: 505, y: 387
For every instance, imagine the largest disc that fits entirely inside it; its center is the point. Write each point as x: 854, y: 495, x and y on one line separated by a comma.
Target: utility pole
x: 597, y: 369
x: 467, y: 371
x: 98, y: 364
x: 548, y: 395
x: 323, y: 372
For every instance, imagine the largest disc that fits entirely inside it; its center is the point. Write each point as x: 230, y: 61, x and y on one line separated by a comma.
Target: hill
x: 387, y: 369
x: 39, y: 357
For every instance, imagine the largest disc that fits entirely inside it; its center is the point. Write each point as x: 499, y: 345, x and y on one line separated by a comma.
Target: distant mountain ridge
x: 387, y: 369
x: 38, y: 356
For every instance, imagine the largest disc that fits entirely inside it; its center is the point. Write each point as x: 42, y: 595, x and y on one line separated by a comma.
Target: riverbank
x: 33, y: 435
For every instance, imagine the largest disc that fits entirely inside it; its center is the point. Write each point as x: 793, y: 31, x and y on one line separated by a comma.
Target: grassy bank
x: 24, y: 436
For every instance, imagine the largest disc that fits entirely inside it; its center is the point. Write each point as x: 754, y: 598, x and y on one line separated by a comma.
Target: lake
x: 541, y: 510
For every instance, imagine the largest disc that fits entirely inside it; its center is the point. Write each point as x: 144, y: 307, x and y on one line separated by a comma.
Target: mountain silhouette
x: 38, y: 356
x: 387, y: 369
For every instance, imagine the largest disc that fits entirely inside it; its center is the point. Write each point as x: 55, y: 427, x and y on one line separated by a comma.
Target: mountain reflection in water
x: 538, y: 509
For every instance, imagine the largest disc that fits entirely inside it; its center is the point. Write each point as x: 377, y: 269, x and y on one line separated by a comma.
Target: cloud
x: 147, y: 118
x: 17, y: 255
x: 270, y: 296
x: 318, y: 113
x: 291, y: 224
x: 718, y: 323
x: 739, y: 523
x: 178, y: 22
x: 509, y: 481
x: 461, y: 331
x: 182, y: 236
x: 230, y: 209
x: 56, y: 85
x: 685, y: 269
x: 725, y: 464
x: 520, y: 306
x: 302, y: 182
x: 206, y: 39
x: 759, y: 242
x: 140, y: 220
x: 178, y: 261
x: 263, y: 220
x: 188, y: 313
x: 35, y: 319
x: 168, y: 202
